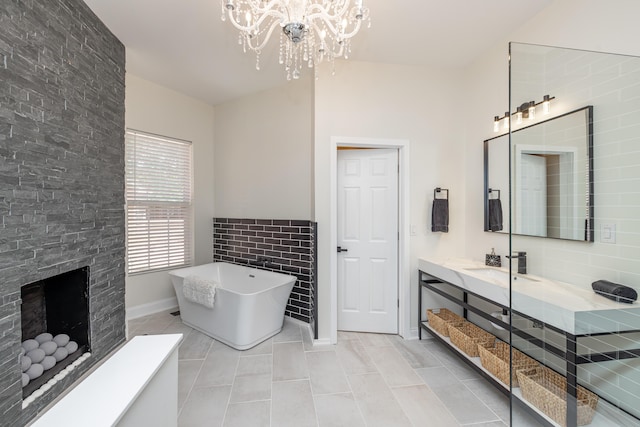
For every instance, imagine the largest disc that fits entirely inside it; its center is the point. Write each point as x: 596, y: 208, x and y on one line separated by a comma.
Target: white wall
x: 263, y: 154
x: 582, y: 24
x: 385, y: 101
x: 156, y: 109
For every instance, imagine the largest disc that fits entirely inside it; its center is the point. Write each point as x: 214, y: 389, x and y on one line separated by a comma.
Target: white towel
x: 199, y: 290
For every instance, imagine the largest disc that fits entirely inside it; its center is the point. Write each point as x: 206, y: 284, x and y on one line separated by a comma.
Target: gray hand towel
x: 614, y: 291
x: 440, y: 215
x: 495, y: 215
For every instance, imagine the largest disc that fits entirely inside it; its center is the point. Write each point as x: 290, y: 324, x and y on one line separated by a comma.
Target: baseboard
x: 413, y: 334
x: 151, y: 308
x: 322, y: 341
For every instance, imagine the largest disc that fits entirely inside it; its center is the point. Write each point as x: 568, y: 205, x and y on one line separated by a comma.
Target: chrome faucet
x: 522, y: 261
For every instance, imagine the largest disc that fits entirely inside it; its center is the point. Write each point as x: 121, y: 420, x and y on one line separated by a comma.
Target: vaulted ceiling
x: 184, y: 45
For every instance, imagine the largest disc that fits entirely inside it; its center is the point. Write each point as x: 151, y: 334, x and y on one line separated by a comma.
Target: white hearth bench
x: 136, y: 386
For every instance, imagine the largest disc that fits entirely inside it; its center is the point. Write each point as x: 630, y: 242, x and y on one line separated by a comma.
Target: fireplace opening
x: 55, y: 315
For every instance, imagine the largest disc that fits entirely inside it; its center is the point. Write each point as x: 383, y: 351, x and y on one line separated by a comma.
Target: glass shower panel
x: 579, y: 179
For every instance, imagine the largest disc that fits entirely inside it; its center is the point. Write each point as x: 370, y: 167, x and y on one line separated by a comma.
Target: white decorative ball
x: 71, y: 347
x: 36, y: 355
x: 61, y: 340
x: 60, y: 353
x: 22, y: 351
x: 35, y: 371
x: 49, y: 347
x: 44, y: 337
x: 48, y: 362
x: 25, y: 379
x: 36, y: 394
x: 25, y: 362
x: 29, y: 345
x: 46, y: 387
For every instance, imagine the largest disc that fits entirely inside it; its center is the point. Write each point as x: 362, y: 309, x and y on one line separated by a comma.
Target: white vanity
x: 574, y: 313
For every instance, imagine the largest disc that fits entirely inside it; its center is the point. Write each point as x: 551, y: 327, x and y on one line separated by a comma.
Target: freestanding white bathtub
x: 249, y: 303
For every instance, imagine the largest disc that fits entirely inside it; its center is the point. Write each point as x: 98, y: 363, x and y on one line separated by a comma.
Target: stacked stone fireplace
x: 61, y: 184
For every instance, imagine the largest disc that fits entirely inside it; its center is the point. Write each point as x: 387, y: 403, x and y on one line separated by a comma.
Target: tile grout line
x: 235, y: 374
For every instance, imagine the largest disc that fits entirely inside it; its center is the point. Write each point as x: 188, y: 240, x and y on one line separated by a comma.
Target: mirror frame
x: 589, y: 226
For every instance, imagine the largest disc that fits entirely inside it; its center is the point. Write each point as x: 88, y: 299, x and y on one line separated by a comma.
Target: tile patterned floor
x: 364, y: 380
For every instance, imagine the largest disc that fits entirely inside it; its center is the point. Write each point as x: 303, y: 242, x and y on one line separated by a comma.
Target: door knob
x: 340, y: 249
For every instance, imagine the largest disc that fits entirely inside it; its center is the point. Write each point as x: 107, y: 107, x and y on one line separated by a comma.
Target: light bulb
x: 518, y: 115
x: 546, y: 104
x: 496, y: 124
x: 532, y: 110
x: 506, y: 120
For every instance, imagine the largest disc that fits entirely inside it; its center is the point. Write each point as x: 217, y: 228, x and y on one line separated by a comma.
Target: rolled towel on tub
x: 199, y: 290
x: 614, y: 291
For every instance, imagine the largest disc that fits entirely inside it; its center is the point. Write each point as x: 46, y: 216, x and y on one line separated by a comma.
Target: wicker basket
x: 496, y: 360
x: 467, y: 337
x: 547, y: 390
x: 440, y: 318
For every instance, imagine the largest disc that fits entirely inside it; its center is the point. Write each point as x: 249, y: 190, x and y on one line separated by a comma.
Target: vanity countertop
x: 570, y: 308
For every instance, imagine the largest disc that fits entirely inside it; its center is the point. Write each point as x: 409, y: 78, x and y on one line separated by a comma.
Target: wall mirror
x: 551, y: 176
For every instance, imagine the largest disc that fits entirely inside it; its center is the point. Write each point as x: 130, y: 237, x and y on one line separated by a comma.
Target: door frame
x: 404, y: 285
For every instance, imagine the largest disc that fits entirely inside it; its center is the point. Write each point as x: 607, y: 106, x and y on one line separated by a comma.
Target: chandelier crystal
x: 313, y: 31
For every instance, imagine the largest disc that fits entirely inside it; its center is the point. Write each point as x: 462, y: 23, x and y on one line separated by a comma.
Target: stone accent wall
x: 61, y: 174
x: 288, y: 245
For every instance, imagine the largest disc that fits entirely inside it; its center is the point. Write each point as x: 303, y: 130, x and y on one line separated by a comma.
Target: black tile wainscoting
x: 290, y: 247
x: 61, y: 178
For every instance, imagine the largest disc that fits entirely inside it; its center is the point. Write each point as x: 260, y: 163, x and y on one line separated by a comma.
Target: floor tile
x: 254, y: 414
x: 395, y: 370
x: 289, y: 362
x: 374, y: 340
x: 421, y: 404
x: 187, y: 372
x: 338, y: 410
x: 290, y: 333
x: 194, y: 346
x: 460, y: 401
x: 292, y: 404
x: 326, y: 373
x: 490, y: 396
x: 415, y: 353
x: 219, y: 367
x: 249, y: 388
x: 255, y: 365
x: 376, y: 402
x: 353, y: 357
x: 205, y: 408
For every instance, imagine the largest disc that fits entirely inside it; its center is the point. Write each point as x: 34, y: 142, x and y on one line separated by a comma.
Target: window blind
x: 158, y: 195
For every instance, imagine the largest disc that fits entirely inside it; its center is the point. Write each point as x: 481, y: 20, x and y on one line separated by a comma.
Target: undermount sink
x: 499, y: 275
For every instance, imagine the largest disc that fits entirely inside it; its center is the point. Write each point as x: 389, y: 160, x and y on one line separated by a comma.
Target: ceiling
x: 184, y: 45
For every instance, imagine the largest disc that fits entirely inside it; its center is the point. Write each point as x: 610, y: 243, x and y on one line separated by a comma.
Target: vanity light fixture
x: 526, y: 110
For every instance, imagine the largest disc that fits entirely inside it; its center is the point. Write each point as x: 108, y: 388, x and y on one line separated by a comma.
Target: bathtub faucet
x: 262, y: 261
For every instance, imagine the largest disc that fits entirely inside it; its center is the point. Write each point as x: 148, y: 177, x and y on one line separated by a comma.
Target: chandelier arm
x: 265, y: 40
x: 256, y: 25
x: 313, y: 18
x: 324, y: 10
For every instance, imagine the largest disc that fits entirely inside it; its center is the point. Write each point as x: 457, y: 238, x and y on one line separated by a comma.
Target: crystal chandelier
x: 312, y: 30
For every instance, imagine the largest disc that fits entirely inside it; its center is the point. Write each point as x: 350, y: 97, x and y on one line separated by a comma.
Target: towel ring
x: 439, y: 190
x: 491, y: 190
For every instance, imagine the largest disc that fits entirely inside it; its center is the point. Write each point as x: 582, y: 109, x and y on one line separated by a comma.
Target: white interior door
x: 533, y: 191
x: 368, y: 235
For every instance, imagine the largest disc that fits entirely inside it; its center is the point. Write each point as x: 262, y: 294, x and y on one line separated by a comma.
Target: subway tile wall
x: 289, y: 246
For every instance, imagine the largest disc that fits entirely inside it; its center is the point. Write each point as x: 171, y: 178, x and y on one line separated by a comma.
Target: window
x: 158, y: 195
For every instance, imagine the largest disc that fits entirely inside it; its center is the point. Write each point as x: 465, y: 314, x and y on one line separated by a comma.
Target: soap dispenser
x: 493, y: 260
